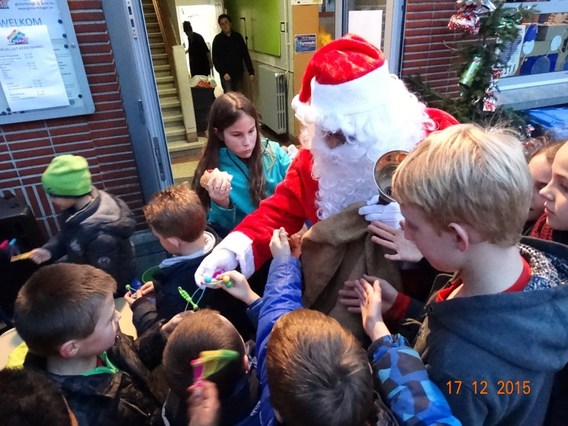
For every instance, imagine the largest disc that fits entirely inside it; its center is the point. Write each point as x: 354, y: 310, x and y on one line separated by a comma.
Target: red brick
x: 96, y: 59
x: 110, y: 106
x: 84, y: 4
x: 39, y: 151
x: 86, y: 16
x: 15, y: 127
x: 92, y: 38
x: 105, y: 97
x: 96, y: 49
x: 19, y: 136
x: 69, y: 129
x: 100, y: 69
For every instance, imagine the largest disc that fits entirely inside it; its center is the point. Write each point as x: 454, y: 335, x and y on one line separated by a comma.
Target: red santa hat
x: 344, y: 77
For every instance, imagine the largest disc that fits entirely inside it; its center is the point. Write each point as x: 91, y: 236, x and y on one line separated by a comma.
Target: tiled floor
x: 183, y: 171
x: 183, y: 165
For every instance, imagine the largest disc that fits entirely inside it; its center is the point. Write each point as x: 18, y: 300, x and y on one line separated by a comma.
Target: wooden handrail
x: 169, y: 37
x: 176, y: 59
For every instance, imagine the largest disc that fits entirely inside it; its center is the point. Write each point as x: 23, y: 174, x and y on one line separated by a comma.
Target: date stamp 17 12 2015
x: 484, y: 387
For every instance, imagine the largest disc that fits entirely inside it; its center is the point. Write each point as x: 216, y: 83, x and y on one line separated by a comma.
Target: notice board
x: 41, y: 71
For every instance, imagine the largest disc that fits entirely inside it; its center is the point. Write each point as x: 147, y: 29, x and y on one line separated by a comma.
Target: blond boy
x: 494, y: 335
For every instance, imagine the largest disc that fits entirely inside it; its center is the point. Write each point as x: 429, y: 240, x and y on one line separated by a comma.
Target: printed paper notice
x: 29, y: 73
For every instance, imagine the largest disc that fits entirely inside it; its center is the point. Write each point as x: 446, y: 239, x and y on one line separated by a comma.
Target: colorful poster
x: 29, y: 71
x: 510, y: 56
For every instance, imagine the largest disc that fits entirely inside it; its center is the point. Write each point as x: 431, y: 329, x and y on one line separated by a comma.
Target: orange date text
x: 485, y: 387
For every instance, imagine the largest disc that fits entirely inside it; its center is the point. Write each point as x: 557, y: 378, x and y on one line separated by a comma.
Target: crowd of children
x: 306, y: 369
x: 488, y: 346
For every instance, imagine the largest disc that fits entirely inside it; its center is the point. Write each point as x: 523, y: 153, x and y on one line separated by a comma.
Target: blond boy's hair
x: 176, y: 212
x: 469, y: 175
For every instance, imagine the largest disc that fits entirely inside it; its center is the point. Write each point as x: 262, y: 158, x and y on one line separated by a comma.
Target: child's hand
x: 218, y: 185
x: 131, y: 297
x: 393, y: 239
x: 144, y: 290
x: 169, y: 327
x: 296, y: 241
x: 370, y: 304
x: 203, y: 404
x: 147, y: 288
x: 40, y: 255
x: 240, y: 289
x: 388, y: 292
x: 350, y: 298
x: 279, y: 245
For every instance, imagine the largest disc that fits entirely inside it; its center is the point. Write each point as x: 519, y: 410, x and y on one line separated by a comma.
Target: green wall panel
x: 262, y: 23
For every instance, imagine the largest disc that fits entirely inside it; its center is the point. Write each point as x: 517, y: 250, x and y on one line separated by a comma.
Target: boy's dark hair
x: 59, y: 303
x: 222, y: 16
x: 202, y: 330
x: 318, y: 373
x: 29, y: 398
x: 176, y: 212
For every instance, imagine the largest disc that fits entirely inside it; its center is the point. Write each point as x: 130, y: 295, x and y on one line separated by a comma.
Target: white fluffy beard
x: 345, y: 175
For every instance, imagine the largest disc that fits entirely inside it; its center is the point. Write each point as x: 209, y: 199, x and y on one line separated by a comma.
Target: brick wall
x: 428, y: 43
x: 102, y: 137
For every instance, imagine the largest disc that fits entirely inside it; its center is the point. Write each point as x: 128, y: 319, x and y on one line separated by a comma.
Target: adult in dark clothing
x: 229, y: 52
x: 199, y: 56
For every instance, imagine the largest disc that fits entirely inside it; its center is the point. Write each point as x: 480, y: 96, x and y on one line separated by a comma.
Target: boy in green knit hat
x: 95, y: 227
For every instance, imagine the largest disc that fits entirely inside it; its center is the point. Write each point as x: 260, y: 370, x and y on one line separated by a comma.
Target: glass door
x: 379, y: 21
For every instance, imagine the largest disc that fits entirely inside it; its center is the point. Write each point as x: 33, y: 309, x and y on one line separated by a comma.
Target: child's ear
x: 246, y: 364
x: 461, y: 236
x: 218, y: 133
x: 69, y: 349
x: 174, y: 241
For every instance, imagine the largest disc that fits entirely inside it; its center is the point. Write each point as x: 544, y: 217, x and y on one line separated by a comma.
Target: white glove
x: 389, y: 215
x: 220, y: 259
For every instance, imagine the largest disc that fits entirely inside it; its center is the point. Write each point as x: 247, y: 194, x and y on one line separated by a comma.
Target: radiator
x: 272, y: 102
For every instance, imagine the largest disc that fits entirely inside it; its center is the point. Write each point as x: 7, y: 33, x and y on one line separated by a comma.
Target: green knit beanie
x: 67, y: 176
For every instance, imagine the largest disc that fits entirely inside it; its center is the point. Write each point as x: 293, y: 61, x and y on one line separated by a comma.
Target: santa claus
x: 353, y: 111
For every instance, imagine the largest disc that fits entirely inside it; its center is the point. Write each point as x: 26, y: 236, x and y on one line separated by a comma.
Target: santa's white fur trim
x: 241, y: 245
x: 355, y: 96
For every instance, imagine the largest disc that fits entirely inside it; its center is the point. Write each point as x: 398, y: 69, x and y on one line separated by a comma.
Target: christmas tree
x: 480, y: 62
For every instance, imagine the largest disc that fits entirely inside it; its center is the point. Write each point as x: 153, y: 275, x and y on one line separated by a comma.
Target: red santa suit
x: 294, y: 201
x: 349, y: 86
